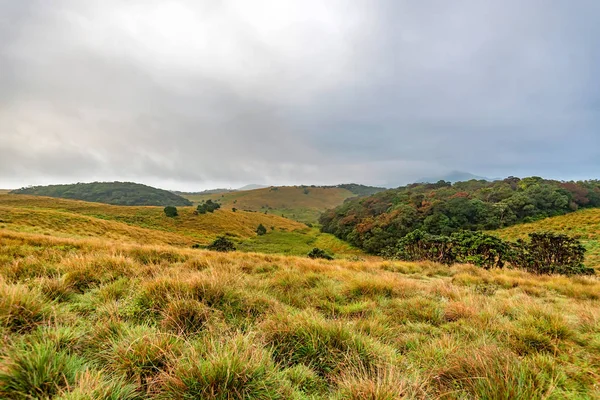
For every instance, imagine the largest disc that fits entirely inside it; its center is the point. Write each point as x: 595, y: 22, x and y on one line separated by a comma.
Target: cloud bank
x: 196, y: 94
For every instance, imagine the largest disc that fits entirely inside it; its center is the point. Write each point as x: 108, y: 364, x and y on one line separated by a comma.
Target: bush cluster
x: 208, y: 206
x: 319, y: 253
x: 221, y: 244
x: 544, y: 253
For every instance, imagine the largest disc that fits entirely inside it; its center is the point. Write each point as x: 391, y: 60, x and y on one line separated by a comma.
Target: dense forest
x: 379, y: 221
x: 116, y: 193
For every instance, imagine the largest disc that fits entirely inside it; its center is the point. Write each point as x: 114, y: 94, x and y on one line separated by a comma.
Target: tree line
x: 378, y: 222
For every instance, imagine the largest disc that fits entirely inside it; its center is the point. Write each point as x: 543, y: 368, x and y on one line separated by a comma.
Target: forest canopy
x: 116, y: 193
x: 379, y: 221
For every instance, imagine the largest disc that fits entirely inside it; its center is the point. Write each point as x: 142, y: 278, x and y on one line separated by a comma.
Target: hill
x: 301, y: 203
x: 116, y: 193
x: 93, y: 318
x: 583, y: 224
x: 136, y: 224
x: 377, y: 222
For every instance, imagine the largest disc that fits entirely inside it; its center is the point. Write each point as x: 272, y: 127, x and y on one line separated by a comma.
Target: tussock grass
x: 94, y: 319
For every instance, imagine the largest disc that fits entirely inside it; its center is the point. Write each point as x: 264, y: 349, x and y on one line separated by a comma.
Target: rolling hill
x: 301, y: 203
x: 115, y: 193
x: 147, y: 224
x: 583, y: 224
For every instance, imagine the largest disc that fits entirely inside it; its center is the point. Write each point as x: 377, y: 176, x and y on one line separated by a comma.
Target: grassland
x: 584, y: 224
x: 79, y: 219
x: 99, y: 319
x: 303, y: 204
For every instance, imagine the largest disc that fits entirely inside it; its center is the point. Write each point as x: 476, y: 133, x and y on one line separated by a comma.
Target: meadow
x: 112, y: 302
x: 303, y: 204
x: 92, y: 319
x: 150, y: 225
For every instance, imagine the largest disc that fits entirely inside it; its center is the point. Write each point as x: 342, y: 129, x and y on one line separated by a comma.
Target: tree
x: 261, y: 230
x: 208, y: 206
x: 170, y: 211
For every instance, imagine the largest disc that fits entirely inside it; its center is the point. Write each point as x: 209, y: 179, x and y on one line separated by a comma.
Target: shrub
x: 208, y: 206
x: 261, y: 230
x: 319, y: 253
x: 550, y: 253
x: 170, y: 211
x: 222, y: 244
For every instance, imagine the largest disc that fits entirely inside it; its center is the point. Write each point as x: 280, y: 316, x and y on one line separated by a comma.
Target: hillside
x: 301, y: 203
x: 378, y: 222
x: 79, y: 219
x: 116, y: 193
x: 90, y: 318
x: 583, y: 224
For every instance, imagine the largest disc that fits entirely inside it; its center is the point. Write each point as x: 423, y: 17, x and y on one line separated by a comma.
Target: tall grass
x: 96, y: 319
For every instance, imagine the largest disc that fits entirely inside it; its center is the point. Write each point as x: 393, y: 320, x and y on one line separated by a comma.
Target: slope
x: 301, y: 203
x: 583, y: 224
x: 136, y: 224
x: 116, y: 193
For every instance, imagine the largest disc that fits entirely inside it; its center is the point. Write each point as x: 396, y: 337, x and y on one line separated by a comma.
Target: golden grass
x: 159, y: 321
x: 290, y: 201
x: 80, y: 218
x: 583, y: 224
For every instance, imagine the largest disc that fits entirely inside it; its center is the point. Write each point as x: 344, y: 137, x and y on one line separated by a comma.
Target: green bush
x: 261, y: 230
x: 170, y: 211
x: 319, y: 253
x: 222, y: 244
x: 208, y: 206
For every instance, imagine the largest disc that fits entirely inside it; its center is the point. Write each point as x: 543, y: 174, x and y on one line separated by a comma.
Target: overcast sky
x: 198, y: 94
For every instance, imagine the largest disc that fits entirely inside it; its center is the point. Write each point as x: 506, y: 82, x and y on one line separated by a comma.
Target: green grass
x: 298, y: 243
x: 98, y: 319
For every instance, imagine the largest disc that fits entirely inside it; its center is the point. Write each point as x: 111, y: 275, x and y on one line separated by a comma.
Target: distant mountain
x: 115, y: 193
x: 251, y: 187
x: 454, y: 176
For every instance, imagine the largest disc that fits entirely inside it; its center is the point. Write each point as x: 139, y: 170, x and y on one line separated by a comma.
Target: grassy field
x: 78, y: 219
x: 303, y: 204
x: 95, y: 319
x: 584, y: 224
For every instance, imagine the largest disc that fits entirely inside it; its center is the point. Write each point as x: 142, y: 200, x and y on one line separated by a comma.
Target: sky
x: 193, y: 94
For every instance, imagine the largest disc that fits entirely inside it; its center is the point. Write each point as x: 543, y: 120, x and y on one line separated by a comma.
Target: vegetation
x: 544, y: 253
x: 208, y: 206
x: 261, y: 230
x: 380, y: 221
x: 222, y: 244
x: 319, y: 253
x: 98, y: 319
x: 170, y: 211
x: 301, y: 203
x: 582, y: 225
x: 116, y: 193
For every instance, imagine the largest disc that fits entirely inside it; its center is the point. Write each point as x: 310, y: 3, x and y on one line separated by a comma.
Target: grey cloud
x: 193, y: 94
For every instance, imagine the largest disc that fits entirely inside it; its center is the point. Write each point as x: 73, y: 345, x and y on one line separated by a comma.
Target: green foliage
x: 544, y: 253
x: 208, y: 206
x: 222, y: 244
x: 170, y: 211
x: 261, y: 230
x: 550, y: 253
x: 116, y: 193
x: 381, y: 220
x: 319, y: 253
